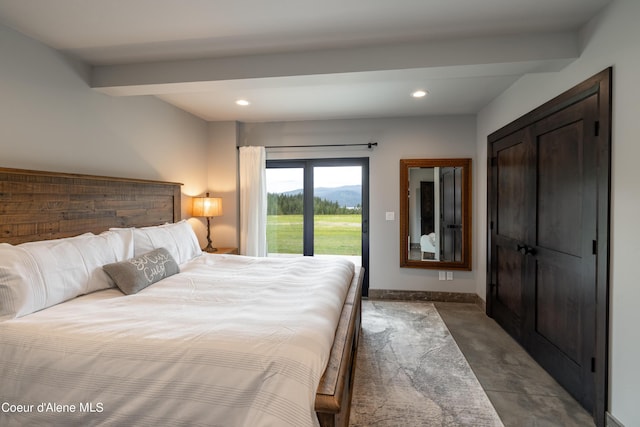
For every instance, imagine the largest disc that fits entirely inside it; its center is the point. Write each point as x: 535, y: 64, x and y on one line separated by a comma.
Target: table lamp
x: 207, y: 207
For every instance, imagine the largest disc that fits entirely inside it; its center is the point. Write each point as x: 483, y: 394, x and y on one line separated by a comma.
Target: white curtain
x: 253, y: 201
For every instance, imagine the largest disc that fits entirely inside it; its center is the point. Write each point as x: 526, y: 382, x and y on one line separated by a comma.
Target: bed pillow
x: 177, y: 238
x: 135, y: 274
x: 17, y: 271
x: 37, y: 275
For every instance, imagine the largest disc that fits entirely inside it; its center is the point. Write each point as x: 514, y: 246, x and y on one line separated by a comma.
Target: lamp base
x: 209, y: 248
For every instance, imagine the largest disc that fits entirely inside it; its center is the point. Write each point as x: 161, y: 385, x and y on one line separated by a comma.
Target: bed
x: 107, y: 358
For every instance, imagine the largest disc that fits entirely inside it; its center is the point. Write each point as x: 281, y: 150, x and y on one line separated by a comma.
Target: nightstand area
x: 231, y: 251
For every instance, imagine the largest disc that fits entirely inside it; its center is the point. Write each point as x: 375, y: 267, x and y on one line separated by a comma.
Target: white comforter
x: 230, y: 341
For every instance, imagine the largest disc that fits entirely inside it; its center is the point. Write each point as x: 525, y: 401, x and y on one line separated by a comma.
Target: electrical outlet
x: 449, y: 275
x: 441, y: 275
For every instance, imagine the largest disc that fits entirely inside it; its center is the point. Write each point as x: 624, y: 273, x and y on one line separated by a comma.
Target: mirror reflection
x: 435, y: 214
x: 435, y: 233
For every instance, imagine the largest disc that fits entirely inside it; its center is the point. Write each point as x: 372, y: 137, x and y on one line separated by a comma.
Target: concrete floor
x: 521, y: 391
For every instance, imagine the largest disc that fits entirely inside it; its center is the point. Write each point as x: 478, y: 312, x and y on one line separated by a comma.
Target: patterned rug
x: 411, y: 373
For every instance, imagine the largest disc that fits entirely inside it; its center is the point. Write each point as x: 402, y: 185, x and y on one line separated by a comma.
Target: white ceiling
x: 304, y: 59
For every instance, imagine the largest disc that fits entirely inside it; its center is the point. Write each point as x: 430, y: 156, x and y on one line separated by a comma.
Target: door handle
x: 526, y: 250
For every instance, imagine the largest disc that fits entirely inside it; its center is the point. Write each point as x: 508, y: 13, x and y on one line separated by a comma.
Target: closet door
x: 544, y: 226
x: 512, y: 189
x: 560, y: 281
x: 548, y: 238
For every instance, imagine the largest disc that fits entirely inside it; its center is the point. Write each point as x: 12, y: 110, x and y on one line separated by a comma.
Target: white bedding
x: 230, y: 341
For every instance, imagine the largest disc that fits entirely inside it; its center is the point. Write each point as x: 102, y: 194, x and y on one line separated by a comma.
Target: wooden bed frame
x: 36, y: 205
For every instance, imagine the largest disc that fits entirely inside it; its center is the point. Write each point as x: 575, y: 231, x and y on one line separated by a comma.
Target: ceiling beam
x: 552, y: 50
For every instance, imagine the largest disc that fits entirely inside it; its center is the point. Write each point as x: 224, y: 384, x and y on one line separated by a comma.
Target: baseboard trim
x: 482, y: 304
x: 393, y: 295
x: 611, y: 421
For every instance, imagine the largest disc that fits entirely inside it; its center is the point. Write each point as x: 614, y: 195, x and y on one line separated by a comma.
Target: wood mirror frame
x: 454, y: 237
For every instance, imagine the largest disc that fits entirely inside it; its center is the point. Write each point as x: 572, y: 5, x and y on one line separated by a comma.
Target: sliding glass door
x: 285, y: 231
x: 319, y: 207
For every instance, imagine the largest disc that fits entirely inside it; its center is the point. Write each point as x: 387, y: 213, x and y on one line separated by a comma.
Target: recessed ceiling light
x: 419, y: 94
x: 242, y: 102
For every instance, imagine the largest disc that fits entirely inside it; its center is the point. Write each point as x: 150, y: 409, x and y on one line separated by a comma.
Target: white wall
x: 51, y: 120
x: 419, y: 137
x: 223, y: 182
x: 610, y: 40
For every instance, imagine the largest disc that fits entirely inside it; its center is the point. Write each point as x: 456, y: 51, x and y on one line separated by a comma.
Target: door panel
x: 337, y: 225
x: 458, y: 214
x: 427, y: 208
x: 451, y: 216
x: 285, y: 231
x: 512, y: 172
x: 560, y: 188
x: 510, y: 229
x: 563, y: 288
x: 509, y: 281
x: 559, y: 317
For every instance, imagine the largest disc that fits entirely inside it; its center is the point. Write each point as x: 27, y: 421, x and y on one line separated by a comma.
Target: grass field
x: 334, y: 234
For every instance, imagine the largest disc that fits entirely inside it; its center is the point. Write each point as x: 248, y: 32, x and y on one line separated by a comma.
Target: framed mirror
x: 435, y: 214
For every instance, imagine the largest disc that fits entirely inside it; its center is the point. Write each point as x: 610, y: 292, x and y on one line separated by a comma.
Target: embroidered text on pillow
x: 152, y: 265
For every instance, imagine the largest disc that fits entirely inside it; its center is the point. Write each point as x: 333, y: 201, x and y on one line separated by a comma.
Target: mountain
x: 346, y: 196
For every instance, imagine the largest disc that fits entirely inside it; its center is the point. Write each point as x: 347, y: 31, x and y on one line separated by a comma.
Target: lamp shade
x: 207, y: 206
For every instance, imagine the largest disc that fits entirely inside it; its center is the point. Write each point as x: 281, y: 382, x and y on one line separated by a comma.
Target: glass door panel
x: 285, y: 230
x: 337, y: 210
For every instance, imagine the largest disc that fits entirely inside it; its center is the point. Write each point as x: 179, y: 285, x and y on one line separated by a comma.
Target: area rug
x: 410, y: 372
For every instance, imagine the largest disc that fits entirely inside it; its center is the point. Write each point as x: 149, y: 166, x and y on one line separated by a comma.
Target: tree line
x: 292, y: 204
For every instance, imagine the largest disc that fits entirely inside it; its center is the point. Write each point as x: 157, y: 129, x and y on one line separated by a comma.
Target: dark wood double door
x: 548, y: 225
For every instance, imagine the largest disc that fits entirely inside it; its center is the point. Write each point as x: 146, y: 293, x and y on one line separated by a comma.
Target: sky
x: 283, y: 179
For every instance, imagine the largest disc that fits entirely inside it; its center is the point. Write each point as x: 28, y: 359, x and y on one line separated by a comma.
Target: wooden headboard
x: 37, y: 205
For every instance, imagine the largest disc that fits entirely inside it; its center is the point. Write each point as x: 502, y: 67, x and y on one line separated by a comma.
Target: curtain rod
x: 369, y: 145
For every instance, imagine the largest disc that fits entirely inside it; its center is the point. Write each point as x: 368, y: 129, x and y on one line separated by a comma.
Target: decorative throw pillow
x: 135, y: 274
